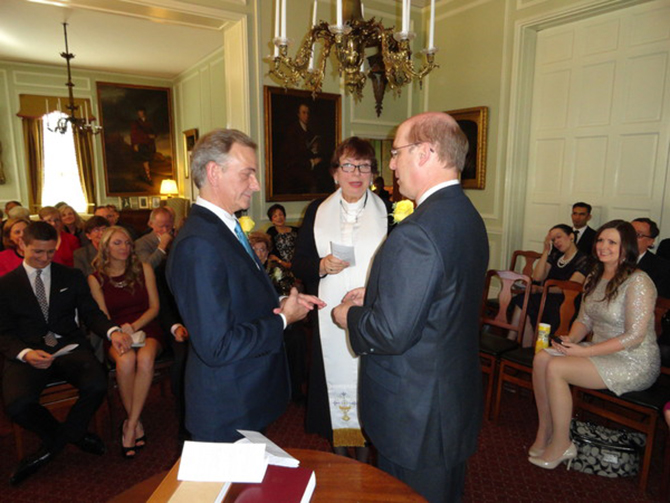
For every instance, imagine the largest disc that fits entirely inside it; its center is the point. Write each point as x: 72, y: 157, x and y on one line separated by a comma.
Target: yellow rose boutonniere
x: 247, y: 224
x: 401, y: 210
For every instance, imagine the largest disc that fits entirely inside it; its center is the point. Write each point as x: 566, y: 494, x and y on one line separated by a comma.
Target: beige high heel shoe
x: 569, y: 454
x: 535, y: 453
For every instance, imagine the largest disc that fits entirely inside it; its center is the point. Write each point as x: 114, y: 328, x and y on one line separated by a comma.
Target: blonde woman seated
x: 125, y: 289
x: 618, y: 307
x: 560, y: 260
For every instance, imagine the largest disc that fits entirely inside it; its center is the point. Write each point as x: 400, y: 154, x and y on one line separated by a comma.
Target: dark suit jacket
x: 22, y: 324
x: 585, y: 243
x: 663, y: 250
x: 420, y: 378
x: 658, y: 270
x: 236, y: 372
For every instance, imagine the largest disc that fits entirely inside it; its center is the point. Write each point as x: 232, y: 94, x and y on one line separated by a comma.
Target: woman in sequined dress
x: 618, y: 307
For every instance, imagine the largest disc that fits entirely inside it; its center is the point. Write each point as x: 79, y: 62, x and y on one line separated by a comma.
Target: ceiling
x: 111, y: 35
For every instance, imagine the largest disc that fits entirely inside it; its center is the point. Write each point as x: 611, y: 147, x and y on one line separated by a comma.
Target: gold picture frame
x: 474, y: 123
x: 190, y: 139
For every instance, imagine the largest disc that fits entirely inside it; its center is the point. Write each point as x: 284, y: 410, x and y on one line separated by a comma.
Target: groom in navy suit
x: 416, y: 324
x: 236, y: 371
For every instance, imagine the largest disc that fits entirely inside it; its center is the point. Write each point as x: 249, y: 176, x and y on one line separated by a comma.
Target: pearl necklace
x: 562, y: 262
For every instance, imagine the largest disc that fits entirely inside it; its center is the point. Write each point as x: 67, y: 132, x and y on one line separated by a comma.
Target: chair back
x: 570, y: 290
x: 661, y: 309
x: 507, y: 282
x: 529, y: 261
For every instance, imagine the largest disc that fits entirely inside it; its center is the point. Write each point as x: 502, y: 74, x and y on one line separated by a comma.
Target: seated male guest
x: 40, y: 303
x: 656, y: 267
x: 83, y: 257
x: 152, y: 248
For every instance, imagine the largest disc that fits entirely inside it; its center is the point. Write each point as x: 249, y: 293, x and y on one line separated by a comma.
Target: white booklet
x: 65, y: 350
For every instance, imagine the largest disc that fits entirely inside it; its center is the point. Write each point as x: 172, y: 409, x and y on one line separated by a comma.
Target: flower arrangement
x: 247, y: 224
x: 401, y: 210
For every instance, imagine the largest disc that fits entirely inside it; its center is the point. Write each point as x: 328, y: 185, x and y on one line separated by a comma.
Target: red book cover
x: 280, y: 485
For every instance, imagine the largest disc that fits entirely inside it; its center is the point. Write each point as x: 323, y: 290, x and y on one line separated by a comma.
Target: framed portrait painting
x: 301, y: 134
x: 190, y: 139
x: 137, y: 138
x: 474, y: 123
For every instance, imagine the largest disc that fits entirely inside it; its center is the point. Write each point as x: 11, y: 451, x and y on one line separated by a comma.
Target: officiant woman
x: 353, y: 216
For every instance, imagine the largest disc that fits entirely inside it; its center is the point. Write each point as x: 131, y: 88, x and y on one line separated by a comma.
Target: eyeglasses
x: 394, y: 151
x: 363, y: 168
x: 640, y: 236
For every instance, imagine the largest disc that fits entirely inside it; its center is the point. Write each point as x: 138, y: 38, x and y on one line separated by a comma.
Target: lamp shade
x: 169, y: 187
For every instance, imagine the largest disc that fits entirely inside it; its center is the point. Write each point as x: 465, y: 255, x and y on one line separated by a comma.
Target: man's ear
x: 213, y: 172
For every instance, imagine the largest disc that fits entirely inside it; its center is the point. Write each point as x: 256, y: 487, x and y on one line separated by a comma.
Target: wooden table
x: 337, y: 479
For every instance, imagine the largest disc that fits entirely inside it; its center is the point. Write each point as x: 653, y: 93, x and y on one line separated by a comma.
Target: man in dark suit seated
x: 236, y: 371
x: 417, y: 330
x: 39, y: 306
x: 656, y: 267
x: 584, y: 235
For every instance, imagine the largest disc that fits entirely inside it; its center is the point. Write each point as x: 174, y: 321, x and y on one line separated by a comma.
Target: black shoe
x: 92, y: 444
x: 30, y: 464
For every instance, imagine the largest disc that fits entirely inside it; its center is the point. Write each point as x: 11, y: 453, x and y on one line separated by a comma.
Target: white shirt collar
x: 225, y: 217
x: 640, y: 256
x: 434, y: 189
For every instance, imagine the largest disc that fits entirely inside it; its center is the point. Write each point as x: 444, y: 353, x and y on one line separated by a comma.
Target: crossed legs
x: 552, y: 377
x: 134, y: 373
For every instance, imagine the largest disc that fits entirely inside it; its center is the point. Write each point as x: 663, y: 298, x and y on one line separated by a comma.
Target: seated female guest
x: 618, y: 307
x: 560, y: 260
x: 125, y: 289
x: 282, y: 278
x: 12, y: 256
x: 352, y: 217
x: 83, y: 257
x: 67, y: 243
x: 72, y: 223
x: 283, y: 236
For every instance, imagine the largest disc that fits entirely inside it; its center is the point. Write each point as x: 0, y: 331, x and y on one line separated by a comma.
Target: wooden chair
x: 56, y: 395
x: 496, y: 322
x: 516, y: 366
x: 639, y: 410
x: 529, y: 261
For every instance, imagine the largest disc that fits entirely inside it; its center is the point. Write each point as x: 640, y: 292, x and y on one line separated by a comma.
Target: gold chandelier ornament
x: 79, y: 124
x: 351, y: 35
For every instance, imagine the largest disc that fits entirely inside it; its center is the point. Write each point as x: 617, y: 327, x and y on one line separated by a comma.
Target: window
x: 61, y: 180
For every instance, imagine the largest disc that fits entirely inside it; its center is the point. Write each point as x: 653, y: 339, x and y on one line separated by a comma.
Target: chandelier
x: 80, y: 124
x: 390, y: 65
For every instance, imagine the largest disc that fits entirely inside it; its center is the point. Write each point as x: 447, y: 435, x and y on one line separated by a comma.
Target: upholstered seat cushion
x: 522, y: 356
x: 495, y: 345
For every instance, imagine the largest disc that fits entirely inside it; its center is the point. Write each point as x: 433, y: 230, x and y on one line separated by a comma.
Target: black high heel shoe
x: 127, y: 452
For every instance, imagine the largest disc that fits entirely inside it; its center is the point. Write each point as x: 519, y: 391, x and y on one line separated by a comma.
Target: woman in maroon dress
x: 125, y: 289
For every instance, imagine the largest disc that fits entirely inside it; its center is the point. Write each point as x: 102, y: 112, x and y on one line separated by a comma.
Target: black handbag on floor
x: 606, y: 452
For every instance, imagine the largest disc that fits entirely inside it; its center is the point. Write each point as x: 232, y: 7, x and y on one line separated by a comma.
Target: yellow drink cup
x: 542, y: 341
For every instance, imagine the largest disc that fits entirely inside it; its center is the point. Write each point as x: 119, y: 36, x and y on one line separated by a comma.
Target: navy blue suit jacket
x: 236, y: 372
x: 418, y: 332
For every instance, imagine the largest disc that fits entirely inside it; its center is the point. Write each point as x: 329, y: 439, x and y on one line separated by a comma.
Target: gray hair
x: 18, y: 212
x: 214, y: 147
x: 447, y: 137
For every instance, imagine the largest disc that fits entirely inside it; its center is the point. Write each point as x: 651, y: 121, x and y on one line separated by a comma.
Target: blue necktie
x: 245, y: 242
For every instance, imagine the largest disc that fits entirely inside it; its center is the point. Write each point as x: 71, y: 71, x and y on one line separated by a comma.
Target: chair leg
x: 489, y: 390
x: 646, y: 461
x: 665, y: 487
x: 499, y: 385
x: 18, y: 440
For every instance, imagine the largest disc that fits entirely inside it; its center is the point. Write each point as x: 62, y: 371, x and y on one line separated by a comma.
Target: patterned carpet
x: 499, y: 471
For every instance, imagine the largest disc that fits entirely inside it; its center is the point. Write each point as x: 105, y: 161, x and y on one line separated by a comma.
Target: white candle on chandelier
x: 86, y: 111
x: 431, y: 32
x: 277, y: 2
x: 363, y: 11
x: 314, y: 13
x: 405, y: 16
x: 283, y: 19
x: 339, y: 12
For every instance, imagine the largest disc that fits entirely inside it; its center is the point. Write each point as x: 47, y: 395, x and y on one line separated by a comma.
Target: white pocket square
x: 63, y: 289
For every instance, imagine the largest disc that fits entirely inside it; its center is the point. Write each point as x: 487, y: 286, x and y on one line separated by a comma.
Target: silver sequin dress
x: 630, y: 318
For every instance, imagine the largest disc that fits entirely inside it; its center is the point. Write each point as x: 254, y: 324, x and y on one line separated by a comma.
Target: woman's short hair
x: 7, y: 231
x: 356, y: 148
x: 94, y: 222
x: 275, y: 207
x: 260, y: 237
x: 48, y: 211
